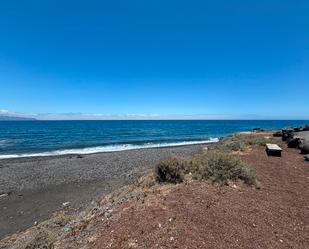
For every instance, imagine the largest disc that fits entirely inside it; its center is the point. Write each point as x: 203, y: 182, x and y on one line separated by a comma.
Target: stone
x: 294, y: 142
x: 287, y: 134
x: 306, y: 157
x: 66, y: 204
x: 4, y: 195
x: 297, y: 129
x: 67, y: 229
x: 305, y: 128
x: 258, y: 130
x: 304, y: 147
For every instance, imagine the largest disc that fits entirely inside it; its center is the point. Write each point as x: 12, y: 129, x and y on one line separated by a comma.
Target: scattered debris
x: 108, y: 213
x: 132, y: 243
x: 4, y: 195
x: 67, y: 229
x: 66, y: 204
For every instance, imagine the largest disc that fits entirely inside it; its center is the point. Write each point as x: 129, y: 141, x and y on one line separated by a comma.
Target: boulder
x: 304, y: 147
x: 306, y: 157
x: 287, y: 134
x: 297, y: 129
x: 305, y: 128
x: 258, y: 130
x: 294, y: 142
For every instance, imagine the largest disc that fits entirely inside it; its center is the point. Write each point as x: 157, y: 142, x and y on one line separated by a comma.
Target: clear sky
x: 227, y: 58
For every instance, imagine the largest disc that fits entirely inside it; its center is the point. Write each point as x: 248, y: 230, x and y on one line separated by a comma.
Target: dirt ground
x: 203, y: 215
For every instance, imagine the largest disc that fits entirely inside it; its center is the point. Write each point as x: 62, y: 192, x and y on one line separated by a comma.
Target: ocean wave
x: 109, y: 148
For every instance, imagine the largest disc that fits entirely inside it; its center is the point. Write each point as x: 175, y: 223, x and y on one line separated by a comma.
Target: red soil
x: 201, y: 215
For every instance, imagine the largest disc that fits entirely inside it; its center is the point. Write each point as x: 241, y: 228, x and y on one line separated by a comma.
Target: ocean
x: 45, y: 138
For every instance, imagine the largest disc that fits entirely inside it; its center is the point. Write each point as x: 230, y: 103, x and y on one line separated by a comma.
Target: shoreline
x: 107, y: 149
x: 38, y: 186
x: 76, y: 184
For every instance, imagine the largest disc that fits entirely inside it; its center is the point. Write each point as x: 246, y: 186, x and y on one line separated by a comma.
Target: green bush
x: 170, y: 170
x: 230, y: 143
x: 215, y: 166
x: 256, y: 139
x: 238, y: 142
x: 221, y: 167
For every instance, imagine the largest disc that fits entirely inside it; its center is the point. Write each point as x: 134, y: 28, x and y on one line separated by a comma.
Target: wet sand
x: 38, y: 186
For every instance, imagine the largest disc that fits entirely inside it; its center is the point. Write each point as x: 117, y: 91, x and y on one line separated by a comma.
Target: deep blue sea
x: 42, y: 138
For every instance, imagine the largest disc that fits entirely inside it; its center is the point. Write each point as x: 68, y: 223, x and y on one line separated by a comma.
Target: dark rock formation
x: 305, y: 128
x: 294, y: 142
x: 258, y: 129
x: 304, y: 147
x: 287, y: 134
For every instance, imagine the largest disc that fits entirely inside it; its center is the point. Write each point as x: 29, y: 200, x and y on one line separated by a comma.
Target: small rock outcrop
x: 306, y: 128
x: 287, y: 134
x: 304, y: 147
x: 294, y: 142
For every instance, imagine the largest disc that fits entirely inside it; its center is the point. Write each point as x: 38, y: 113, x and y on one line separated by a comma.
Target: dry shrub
x: 251, y: 139
x: 221, y: 167
x: 238, y: 142
x: 215, y: 166
x: 170, y: 170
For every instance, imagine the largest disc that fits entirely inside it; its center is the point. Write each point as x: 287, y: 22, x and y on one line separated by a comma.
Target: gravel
x: 32, y: 189
x: 38, y: 172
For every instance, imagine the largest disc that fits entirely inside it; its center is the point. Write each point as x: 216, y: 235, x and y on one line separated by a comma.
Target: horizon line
x: 143, y: 117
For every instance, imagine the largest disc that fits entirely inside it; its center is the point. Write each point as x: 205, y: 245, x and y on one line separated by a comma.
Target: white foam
x: 109, y: 148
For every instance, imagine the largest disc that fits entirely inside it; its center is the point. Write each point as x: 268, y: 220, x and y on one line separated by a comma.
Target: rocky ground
x: 194, y: 214
x: 31, y: 189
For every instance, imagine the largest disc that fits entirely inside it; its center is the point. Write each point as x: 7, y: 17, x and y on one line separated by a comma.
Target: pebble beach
x: 34, y: 188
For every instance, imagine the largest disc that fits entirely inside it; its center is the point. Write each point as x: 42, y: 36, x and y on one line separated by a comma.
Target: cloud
x: 101, y: 116
x: 2, y: 111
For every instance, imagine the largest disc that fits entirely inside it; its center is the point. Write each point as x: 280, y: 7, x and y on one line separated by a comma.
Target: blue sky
x: 225, y: 59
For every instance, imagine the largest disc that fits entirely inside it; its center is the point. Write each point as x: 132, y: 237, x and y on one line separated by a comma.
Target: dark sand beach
x: 38, y: 186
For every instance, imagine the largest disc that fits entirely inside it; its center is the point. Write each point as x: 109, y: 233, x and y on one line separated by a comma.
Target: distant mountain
x: 12, y: 118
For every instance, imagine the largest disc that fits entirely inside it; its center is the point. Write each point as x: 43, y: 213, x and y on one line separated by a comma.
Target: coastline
x: 37, y: 186
x: 98, y: 212
x: 85, y: 213
x: 107, y: 149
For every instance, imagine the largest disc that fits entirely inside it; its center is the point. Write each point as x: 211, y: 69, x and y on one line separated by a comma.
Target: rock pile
x: 296, y: 137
